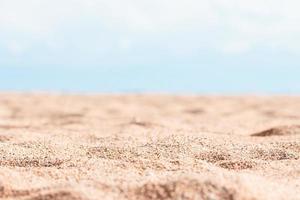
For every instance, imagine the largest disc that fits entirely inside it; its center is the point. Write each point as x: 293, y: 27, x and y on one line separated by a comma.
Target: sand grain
x: 149, y: 147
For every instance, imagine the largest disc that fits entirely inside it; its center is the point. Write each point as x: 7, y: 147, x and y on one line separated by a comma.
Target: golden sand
x: 149, y: 147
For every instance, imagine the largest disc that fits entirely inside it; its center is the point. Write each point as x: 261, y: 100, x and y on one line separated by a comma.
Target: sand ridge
x: 149, y: 147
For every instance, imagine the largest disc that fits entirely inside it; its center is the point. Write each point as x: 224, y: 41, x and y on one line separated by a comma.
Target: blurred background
x: 164, y: 46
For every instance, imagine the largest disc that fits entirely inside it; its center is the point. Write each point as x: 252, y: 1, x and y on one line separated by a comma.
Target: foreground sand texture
x: 149, y: 147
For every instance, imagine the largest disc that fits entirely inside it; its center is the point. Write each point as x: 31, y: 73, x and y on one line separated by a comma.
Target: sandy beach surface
x: 149, y: 147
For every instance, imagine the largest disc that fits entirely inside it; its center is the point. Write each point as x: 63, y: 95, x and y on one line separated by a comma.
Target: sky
x: 169, y: 46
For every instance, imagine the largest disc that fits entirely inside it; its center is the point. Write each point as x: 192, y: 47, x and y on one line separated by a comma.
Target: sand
x: 149, y: 147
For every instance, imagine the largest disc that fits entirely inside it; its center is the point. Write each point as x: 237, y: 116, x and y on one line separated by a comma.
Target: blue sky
x: 191, y: 46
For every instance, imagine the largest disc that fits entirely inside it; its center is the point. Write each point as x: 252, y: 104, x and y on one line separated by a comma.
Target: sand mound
x: 226, y: 186
x: 190, y: 189
x: 281, y: 130
x: 238, y: 164
x: 38, y: 194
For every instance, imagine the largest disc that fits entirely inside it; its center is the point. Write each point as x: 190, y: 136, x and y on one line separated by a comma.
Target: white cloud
x: 15, y: 48
x: 241, y: 25
x: 125, y: 44
x: 236, y: 47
